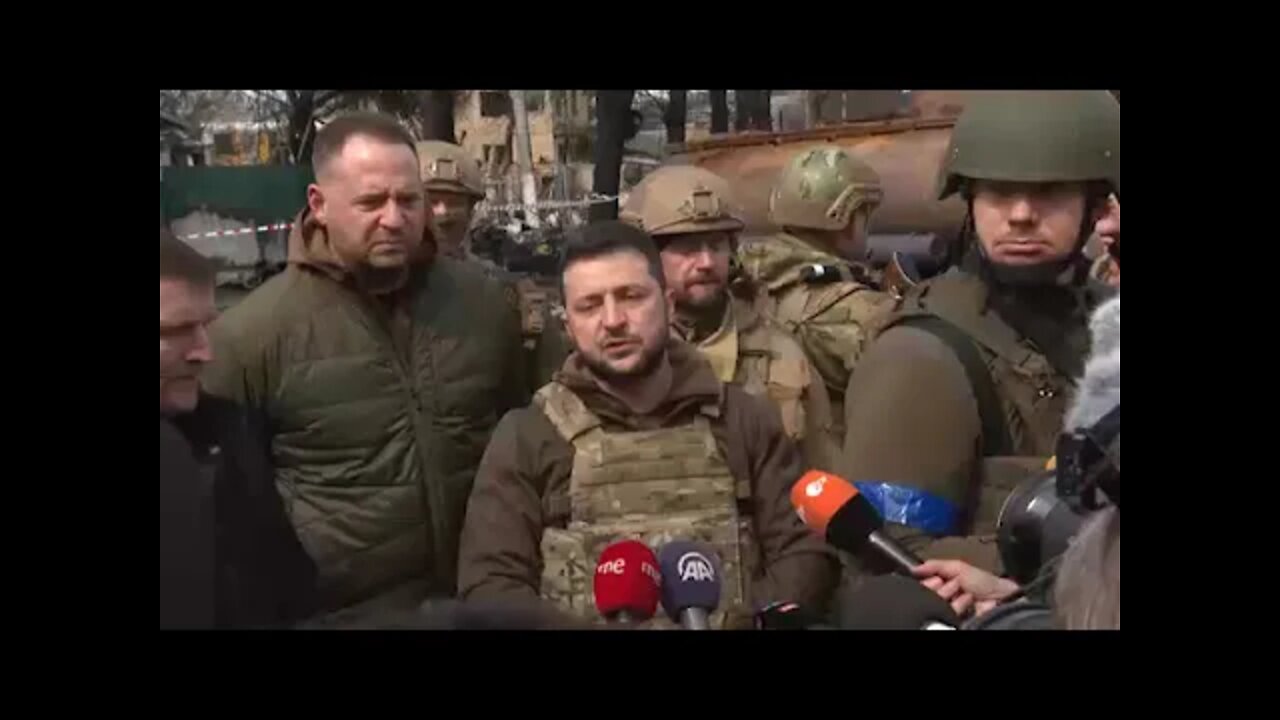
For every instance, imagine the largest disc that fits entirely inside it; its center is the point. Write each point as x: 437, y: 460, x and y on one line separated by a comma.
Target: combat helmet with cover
x: 1035, y: 137
x: 681, y: 199
x: 821, y: 188
x: 449, y: 168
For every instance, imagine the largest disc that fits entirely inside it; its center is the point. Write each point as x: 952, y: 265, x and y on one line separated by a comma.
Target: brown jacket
x: 528, y: 462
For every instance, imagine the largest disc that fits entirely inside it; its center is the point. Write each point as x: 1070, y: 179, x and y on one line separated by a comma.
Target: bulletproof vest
x: 746, y: 351
x: 654, y: 486
x: 827, y: 304
x: 1021, y: 397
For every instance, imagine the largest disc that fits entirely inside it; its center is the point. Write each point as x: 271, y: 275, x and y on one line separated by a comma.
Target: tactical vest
x: 654, y: 486
x: 1030, y: 396
x: 746, y: 351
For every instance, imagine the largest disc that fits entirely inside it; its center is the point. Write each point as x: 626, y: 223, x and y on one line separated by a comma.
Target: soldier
x: 636, y: 438
x: 965, y: 388
x: 380, y: 369
x: 688, y: 212
x: 818, y: 287
x: 1106, y: 269
x: 454, y: 185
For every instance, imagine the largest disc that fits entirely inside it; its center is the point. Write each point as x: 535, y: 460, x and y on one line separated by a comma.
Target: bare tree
x: 437, y: 116
x: 752, y: 111
x: 676, y: 115
x: 745, y: 102
x: 197, y: 108
x: 299, y: 111
x: 762, y: 118
x: 719, y: 111
x: 614, y: 125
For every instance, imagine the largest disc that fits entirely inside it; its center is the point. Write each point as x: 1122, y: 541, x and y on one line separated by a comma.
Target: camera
x: 1043, y: 513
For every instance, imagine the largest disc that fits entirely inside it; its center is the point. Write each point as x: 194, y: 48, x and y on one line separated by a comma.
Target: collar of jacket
x: 205, y: 426
x: 309, y: 248
x: 720, y: 347
x: 693, y: 385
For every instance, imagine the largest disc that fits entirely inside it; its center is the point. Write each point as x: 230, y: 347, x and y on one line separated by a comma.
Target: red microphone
x: 627, y: 582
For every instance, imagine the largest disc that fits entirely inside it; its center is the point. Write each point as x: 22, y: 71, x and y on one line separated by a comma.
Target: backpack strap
x: 995, y: 434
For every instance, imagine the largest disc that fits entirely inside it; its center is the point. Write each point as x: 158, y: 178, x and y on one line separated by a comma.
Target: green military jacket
x: 379, y: 411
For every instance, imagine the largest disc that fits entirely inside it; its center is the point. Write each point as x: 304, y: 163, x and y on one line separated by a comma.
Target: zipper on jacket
x: 432, y: 492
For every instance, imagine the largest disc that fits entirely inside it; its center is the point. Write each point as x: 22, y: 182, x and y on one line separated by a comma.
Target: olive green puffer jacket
x: 378, y: 417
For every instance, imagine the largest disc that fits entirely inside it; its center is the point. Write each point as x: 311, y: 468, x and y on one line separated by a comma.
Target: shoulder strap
x: 995, y: 436
x: 566, y: 411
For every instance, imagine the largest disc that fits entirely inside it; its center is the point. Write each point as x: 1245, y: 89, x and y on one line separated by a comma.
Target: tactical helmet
x: 821, y: 188
x: 1035, y: 136
x: 681, y: 199
x: 449, y: 168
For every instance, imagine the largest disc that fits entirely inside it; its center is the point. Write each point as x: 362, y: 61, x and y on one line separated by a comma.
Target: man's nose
x: 1022, y: 209
x: 439, y: 209
x: 393, y: 217
x: 704, y: 259
x: 202, y: 350
x: 613, y: 316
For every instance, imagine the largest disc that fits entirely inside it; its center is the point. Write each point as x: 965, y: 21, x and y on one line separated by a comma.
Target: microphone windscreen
x: 817, y: 495
x: 627, y: 580
x: 832, y: 507
x: 690, y: 577
x: 893, y: 602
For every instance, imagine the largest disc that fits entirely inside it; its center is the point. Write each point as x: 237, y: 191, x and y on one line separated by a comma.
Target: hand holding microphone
x: 690, y: 583
x: 626, y: 583
x: 965, y: 586
x: 832, y: 507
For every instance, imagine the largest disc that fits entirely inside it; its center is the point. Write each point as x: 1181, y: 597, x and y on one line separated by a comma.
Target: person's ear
x: 670, y: 296
x: 316, y: 203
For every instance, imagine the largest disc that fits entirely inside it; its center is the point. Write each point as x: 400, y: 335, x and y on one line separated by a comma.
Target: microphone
x: 690, y: 583
x: 832, y: 507
x: 786, y: 615
x: 893, y: 602
x: 626, y: 582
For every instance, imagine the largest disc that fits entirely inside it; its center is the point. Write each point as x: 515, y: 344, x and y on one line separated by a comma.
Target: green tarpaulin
x: 257, y: 193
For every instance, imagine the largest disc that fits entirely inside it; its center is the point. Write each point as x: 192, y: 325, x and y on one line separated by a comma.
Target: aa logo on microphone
x: 695, y: 566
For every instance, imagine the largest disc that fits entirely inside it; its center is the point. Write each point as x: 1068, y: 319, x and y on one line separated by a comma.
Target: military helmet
x: 449, y: 168
x: 681, y: 199
x: 821, y: 188
x: 1035, y: 136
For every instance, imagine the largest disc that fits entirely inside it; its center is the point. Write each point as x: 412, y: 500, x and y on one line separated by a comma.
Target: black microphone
x: 893, y: 602
x: 786, y: 615
x: 690, y: 583
x: 833, y: 507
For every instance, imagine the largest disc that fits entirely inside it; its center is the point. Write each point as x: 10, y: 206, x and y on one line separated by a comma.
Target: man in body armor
x: 689, y: 213
x: 454, y: 185
x: 636, y: 438
x: 816, y: 285
x: 962, y: 393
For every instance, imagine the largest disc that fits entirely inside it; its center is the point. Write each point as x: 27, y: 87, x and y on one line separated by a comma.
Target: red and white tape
x: 240, y: 231
x: 482, y: 208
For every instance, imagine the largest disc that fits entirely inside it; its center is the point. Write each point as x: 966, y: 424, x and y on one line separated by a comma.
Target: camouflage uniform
x: 447, y: 168
x: 745, y: 348
x: 827, y: 302
x: 963, y: 391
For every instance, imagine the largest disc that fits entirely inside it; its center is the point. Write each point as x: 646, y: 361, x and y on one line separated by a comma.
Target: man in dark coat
x: 228, y: 556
